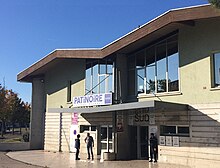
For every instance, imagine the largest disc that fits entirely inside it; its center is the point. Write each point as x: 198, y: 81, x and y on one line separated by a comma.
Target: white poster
x: 162, y: 140
x: 151, y: 119
x: 176, y: 141
x: 169, y: 141
x: 153, y: 129
x: 73, y: 131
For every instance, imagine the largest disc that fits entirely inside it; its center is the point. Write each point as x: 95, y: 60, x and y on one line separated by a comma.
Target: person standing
x: 89, y: 144
x: 77, y: 146
x: 153, y: 148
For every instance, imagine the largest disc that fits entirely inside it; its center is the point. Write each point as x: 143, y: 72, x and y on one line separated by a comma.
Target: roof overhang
x: 156, y: 105
x: 112, y: 108
x: 155, y: 28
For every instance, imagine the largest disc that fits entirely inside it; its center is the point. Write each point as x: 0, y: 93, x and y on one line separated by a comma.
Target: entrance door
x: 133, y: 141
x: 143, y: 142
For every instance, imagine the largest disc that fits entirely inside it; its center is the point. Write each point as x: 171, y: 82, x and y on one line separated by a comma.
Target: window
x: 216, y: 59
x: 84, y: 128
x: 99, y: 77
x: 69, y: 83
x: 156, y: 67
x: 174, y: 130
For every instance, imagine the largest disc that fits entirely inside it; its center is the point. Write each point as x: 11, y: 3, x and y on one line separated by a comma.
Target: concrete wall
x: 14, y: 146
x: 201, y: 149
x: 37, y: 114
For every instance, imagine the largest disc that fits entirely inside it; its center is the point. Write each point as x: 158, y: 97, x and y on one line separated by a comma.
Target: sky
x: 31, y: 29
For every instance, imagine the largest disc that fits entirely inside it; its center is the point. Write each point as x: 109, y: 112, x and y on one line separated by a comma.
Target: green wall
x: 196, y: 45
x: 56, y: 80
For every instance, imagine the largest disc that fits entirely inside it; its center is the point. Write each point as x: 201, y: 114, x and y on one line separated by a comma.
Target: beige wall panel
x: 206, y: 129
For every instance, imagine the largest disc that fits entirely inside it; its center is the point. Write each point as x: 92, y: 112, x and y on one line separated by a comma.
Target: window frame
x: 101, y: 77
x: 166, y: 42
x: 176, y: 131
x: 213, y: 73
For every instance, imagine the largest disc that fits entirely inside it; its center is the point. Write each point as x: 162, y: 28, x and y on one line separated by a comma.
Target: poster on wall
x: 151, y: 119
x: 119, y: 123
x: 153, y: 129
x: 176, y: 141
x: 169, y: 141
x: 73, y: 131
x: 162, y: 140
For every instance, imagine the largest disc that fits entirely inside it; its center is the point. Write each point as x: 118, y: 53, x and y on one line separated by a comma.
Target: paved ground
x: 66, y: 160
x: 6, y: 162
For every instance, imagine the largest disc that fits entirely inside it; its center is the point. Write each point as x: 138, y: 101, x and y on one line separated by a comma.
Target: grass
x: 8, y: 137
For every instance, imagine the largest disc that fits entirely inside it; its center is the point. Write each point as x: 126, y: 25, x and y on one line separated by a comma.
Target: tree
x: 3, y: 108
x: 215, y: 3
x: 13, y: 110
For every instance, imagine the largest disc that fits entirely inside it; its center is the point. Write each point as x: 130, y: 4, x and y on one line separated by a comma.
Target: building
x: 163, y: 77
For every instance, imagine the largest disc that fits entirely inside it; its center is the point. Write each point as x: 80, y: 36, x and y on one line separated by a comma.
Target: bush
x: 26, y: 137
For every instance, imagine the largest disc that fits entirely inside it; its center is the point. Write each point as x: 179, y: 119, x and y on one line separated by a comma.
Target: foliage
x: 215, y: 3
x: 12, y: 109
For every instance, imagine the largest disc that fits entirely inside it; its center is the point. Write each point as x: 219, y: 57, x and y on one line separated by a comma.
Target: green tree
x: 215, y: 3
x: 13, y: 110
x: 3, y: 108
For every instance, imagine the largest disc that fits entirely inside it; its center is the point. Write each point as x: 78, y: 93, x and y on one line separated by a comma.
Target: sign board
x: 176, y: 141
x: 162, y: 140
x: 73, y: 131
x: 93, y: 100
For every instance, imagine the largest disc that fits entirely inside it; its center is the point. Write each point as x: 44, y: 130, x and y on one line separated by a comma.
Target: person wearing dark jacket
x: 89, y: 144
x: 77, y: 146
x: 153, y: 148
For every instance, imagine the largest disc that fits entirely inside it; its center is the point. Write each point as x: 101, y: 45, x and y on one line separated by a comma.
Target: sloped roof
x: 181, y: 15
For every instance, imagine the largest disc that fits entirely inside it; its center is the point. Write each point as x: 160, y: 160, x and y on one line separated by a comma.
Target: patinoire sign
x: 93, y: 100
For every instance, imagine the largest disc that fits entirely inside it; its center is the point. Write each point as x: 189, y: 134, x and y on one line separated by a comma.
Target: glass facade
x: 156, y: 67
x: 99, y: 77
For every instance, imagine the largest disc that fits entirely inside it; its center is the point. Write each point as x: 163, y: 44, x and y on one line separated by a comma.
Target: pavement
x: 6, y: 162
x: 39, y: 158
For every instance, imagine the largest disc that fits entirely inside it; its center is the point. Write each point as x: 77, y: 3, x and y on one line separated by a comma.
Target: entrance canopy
x: 156, y: 105
x: 116, y: 107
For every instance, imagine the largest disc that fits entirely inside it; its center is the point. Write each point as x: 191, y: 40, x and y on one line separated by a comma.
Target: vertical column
x: 37, y: 114
x: 121, y: 78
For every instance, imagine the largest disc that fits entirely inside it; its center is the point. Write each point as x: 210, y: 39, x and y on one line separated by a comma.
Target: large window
x: 99, y: 77
x: 174, y: 130
x: 156, y: 67
x: 216, y: 59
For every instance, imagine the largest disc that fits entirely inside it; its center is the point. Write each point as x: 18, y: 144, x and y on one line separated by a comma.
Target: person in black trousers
x: 153, y: 148
x: 77, y: 146
x: 89, y: 144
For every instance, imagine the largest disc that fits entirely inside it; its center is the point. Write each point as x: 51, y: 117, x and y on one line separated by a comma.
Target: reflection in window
x: 106, y: 137
x: 161, y: 67
x: 99, y: 77
x: 174, y: 130
x: 140, y: 64
x: 173, y: 64
x: 103, y: 133
x: 217, y: 69
x: 156, y: 68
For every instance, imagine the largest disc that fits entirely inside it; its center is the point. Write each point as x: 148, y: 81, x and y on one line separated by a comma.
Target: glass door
x: 106, y: 138
x: 143, y: 140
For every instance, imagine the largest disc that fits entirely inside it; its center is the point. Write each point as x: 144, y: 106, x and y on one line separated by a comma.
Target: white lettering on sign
x: 93, y: 100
